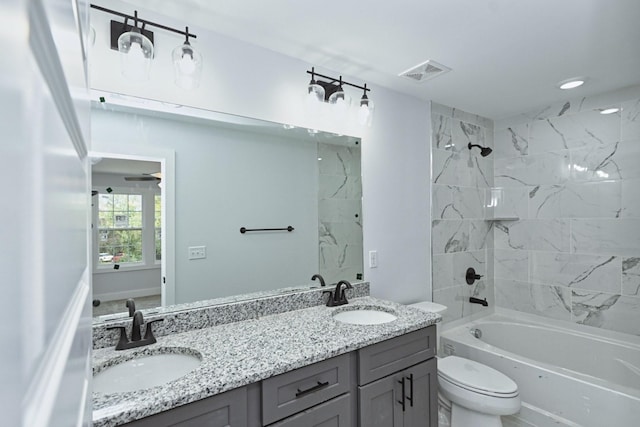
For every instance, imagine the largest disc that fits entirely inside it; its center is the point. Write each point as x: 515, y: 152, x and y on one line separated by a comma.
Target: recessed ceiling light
x: 571, y: 83
x: 610, y: 110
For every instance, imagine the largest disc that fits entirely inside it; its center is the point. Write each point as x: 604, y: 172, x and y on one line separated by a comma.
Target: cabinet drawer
x: 385, y: 358
x: 334, y: 413
x: 295, y: 391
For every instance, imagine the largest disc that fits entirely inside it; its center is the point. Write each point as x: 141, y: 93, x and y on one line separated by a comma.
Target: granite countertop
x: 237, y: 354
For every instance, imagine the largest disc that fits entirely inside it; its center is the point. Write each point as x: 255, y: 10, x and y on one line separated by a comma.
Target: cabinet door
x: 334, y: 413
x: 380, y: 403
x: 422, y: 395
x: 224, y: 410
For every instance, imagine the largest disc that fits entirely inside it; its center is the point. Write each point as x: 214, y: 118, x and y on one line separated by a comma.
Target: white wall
x: 246, y: 80
x: 45, y: 310
x: 227, y: 179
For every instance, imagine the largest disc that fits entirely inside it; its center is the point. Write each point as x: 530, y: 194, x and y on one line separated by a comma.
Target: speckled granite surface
x: 205, y: 314
x: 241, y: 353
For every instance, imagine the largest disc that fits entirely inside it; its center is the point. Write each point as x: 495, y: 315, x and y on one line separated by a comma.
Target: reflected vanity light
x: 331, y: 91
x: 610, y: 110
x: 135, y: 44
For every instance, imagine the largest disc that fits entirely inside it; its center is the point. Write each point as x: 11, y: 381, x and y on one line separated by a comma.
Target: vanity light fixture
x: 332, y: 92
x: 135, y: 44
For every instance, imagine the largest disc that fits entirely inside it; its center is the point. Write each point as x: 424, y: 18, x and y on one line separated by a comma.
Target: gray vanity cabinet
x: 398, y: 382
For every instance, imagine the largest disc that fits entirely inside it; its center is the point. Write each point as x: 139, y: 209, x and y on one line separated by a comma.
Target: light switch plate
x: 373, y: 259
x: 197, y: 252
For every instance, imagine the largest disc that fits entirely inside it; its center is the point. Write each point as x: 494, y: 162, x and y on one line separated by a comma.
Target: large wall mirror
x: 226, y: 173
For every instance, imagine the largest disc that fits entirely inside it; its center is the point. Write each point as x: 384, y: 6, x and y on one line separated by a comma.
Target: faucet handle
x: 148, y: 333
x: 123, y: 341
x: 331, y: 300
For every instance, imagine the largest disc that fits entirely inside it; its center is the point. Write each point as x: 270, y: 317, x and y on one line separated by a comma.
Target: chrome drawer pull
x: 312, y: 389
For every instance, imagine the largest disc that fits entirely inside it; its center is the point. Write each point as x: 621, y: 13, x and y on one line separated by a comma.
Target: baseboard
x: 133, y: 293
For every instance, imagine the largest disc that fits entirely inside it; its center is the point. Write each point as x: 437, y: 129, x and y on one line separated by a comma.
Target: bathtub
x: 567, y: 374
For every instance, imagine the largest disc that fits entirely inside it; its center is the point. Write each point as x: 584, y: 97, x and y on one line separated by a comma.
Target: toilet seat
x: 476, y: 377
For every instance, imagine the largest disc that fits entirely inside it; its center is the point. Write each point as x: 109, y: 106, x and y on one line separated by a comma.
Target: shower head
x: 484, y: 151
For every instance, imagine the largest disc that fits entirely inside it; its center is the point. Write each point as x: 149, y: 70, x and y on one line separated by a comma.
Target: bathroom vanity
x: 295, y: 368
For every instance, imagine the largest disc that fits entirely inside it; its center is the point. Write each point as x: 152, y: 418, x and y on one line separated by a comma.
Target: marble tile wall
x: 572, y: 177
x: 461, y: 235
x: 340, y: 211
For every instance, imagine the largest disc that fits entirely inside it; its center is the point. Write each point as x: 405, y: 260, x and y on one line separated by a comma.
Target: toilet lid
x: 475, y: 376
x: 430, y: 306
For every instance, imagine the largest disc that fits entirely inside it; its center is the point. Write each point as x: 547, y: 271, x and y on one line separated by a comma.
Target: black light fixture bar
x: 135, y: 18
x: 333, y: 80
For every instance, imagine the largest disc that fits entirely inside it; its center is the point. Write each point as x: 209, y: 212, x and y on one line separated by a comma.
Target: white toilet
x: 471, y: 394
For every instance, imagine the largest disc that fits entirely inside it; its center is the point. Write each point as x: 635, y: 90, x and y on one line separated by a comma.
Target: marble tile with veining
x: 339, y: 160
x: 532, y: 170
x: 613, y: 161
x: 468, y: 202
x: 606, y: 236
x: 442, y: 271
x: 576, y: 200
x: 585, y: 129
x: 631, y: 120
x: 339, y: 187
x: 337, y: 210
x: 441, y: 132
x: 480, y: 235
x: 442, y: 206
x: 456, y: 299
x: 449, y: 236
x: 532, y: 234
x: 607, y: 311
x: 463, y: 133
x: 481, y: 170
x: 547, y: 301
x: 631, y: 276
x: 511, y: 264
x: 578, y: 271
x: 452, y: 168
x: 512, y: 141
x: 630, y: 198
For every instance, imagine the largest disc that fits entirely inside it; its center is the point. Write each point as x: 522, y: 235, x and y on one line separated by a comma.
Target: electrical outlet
x: 197, y: 252
x: 373, y: 259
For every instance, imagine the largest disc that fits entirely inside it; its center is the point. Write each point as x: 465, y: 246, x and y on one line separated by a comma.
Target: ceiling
x: 124, y: 166
x: 506, y: 56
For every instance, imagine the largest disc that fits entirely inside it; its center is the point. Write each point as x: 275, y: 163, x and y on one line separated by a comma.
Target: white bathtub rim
x: 462, y: 335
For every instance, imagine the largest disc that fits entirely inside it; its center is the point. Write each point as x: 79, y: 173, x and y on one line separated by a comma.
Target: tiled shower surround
x: 461, y: 235
x: 572, y: 176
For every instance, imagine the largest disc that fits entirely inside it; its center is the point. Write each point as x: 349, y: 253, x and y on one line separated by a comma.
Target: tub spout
x: 475, y: 300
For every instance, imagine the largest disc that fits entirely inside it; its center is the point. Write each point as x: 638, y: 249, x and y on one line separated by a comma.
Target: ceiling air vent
x: 425, y: 71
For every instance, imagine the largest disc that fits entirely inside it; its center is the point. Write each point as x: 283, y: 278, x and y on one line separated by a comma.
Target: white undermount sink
x: 364, y: 316
x: 144, y: 371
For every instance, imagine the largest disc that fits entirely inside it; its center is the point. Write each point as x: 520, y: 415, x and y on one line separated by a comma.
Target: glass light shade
x: 315, y: 92
x: 365, y: 112
x: 187, y: 66
x: 340, y: 103
x: 136, y: 52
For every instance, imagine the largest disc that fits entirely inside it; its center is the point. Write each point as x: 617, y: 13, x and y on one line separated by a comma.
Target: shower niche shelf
x: 503, y: 218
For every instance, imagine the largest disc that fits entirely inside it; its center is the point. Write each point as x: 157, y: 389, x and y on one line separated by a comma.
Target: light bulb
x: 186, y: 64
x: 363, y: 114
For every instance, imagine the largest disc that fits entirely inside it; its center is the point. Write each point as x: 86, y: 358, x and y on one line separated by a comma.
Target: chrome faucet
x: 338, y: 297
x: 136, y: 340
